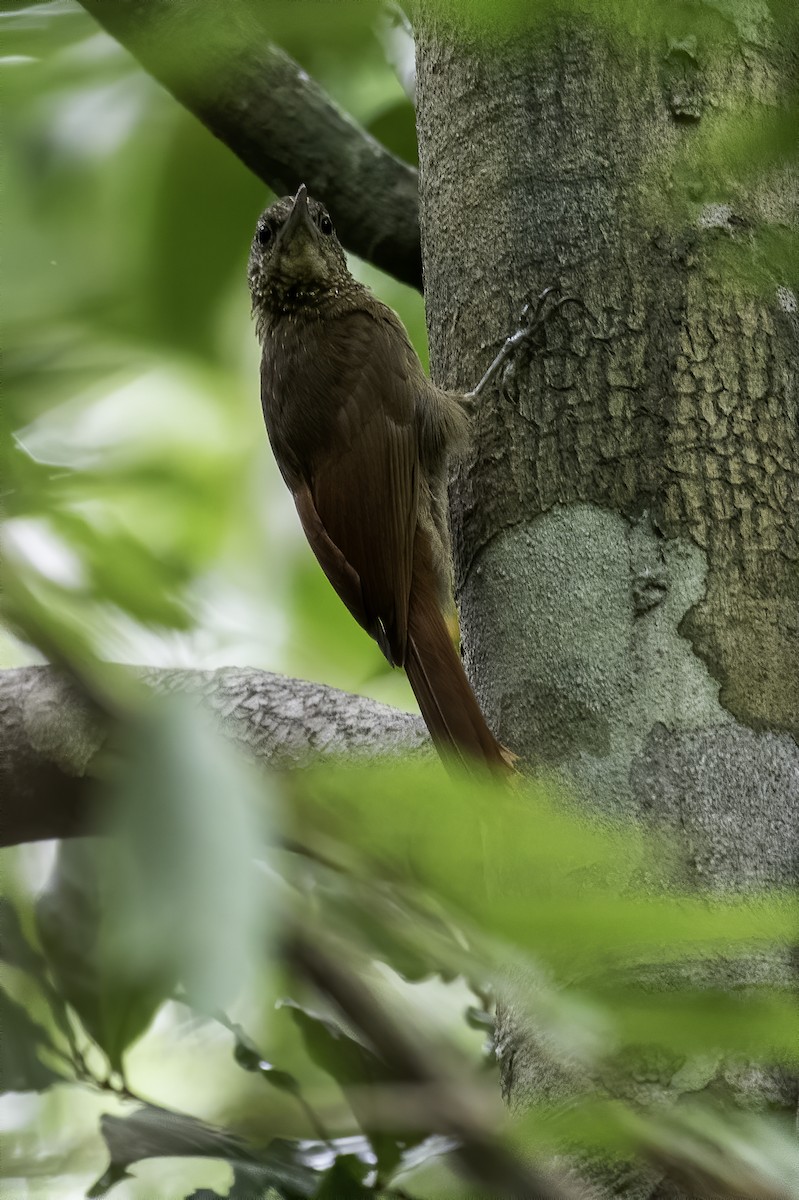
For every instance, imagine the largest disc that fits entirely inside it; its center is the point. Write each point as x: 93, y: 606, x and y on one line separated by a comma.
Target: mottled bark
x: 49, y: 737
x: 626, y: 526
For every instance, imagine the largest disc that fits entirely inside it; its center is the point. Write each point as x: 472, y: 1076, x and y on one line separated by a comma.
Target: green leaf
x: 21, y: 1069
x: 248, y: 1056
x: 719, y: 1153
x: 750, y: 1023
x: 188, y: 901
x: 354, y: 1067
x: 115, y: 1004
x: 394, y: 925
x: 179, y: 297
x: 523, y: 866
x: 739, y: 145
x: 107, y: 1181
x: 348, y: 1060
x: 344, y: 1181
x: 152, y: 1132
x: 172, y: 897
x: 39, y: 27
x: 15, y: 949
x: 247, y: 1187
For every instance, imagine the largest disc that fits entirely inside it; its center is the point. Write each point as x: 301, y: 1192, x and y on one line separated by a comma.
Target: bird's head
x: 296, y: 259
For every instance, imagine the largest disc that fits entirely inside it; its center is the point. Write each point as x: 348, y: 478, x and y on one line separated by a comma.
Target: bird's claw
x: 538, y: 307
x: 533, y: 317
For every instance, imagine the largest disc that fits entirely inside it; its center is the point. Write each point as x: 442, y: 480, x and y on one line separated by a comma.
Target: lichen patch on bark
x: 587, y: 626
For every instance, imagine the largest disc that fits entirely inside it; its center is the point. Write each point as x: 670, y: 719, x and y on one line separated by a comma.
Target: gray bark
x: 49, y: 737
x: 626, y: 525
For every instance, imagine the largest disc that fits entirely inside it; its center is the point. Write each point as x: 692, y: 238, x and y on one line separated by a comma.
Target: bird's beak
x: 299, y: 216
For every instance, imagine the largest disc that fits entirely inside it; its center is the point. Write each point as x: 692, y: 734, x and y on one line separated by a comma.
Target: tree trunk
x: 626, y: 525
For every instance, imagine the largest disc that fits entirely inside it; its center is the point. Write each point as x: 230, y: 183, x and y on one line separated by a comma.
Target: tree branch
x: 481, y: 1157
x: 49, y: 736
x: 216, y: 60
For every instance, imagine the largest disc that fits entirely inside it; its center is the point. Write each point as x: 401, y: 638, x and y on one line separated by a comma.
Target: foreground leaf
x: 188, y: 899
x: 153, y: 1132
x: 355, y: 1067
x: 21, y: 1069
x: 115, y: 1003
x: 344, y: 1181
x: 295, y: 1168
x: 15, y: 949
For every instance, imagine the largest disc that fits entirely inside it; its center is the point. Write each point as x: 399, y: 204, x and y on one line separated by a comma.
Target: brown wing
x: 355, y: 465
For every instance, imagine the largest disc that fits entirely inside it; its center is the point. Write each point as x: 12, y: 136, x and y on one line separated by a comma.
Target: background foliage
x: 145, y: 522
x: 148, y: 517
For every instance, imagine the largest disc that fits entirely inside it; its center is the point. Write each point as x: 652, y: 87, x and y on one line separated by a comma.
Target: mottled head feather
x: 296, y: 260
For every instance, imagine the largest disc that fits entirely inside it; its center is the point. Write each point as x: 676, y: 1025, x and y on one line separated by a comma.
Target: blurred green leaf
x: 247, y: 1187
x: 415, y: 942
x: 323, y: 631
x: 527, y: 868
x: 36, y: 27
x: 344, y: 1181
x: 115, y: 1003
x: 124, y: 572
x: 348, y: 1060
x: 628, y: 20
x: 186, y: 809
x: 346, y: 28
x: 711, y: 1153
x: 152, y: 1132
x: 17, y: 952
x: 15, y: 949
x: 249, y: 1058
x: 643, y: 929
x: 294, y: 1168
x: 747, y: 1024
x: 21, y: 1069
x: 465, y: 834
x: 354, y: 1067
x: 200, y: 231
x: 723, y: 1152
x: 395, y: 128
x: 714, y: 174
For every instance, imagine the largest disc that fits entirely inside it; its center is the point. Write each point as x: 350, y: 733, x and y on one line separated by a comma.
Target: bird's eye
x: 325, y: 224
x: 264, y: 234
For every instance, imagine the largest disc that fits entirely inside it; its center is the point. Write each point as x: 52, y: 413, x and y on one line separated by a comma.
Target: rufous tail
x: 439, y: 682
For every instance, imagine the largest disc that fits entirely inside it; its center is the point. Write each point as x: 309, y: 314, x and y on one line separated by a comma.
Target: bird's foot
x: 536, y: 314
x: 533, y: 317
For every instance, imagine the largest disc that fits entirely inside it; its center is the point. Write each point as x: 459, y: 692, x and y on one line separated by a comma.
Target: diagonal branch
x: 481, y: 1157
x: 215, y: 58
x: 49, y: 737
